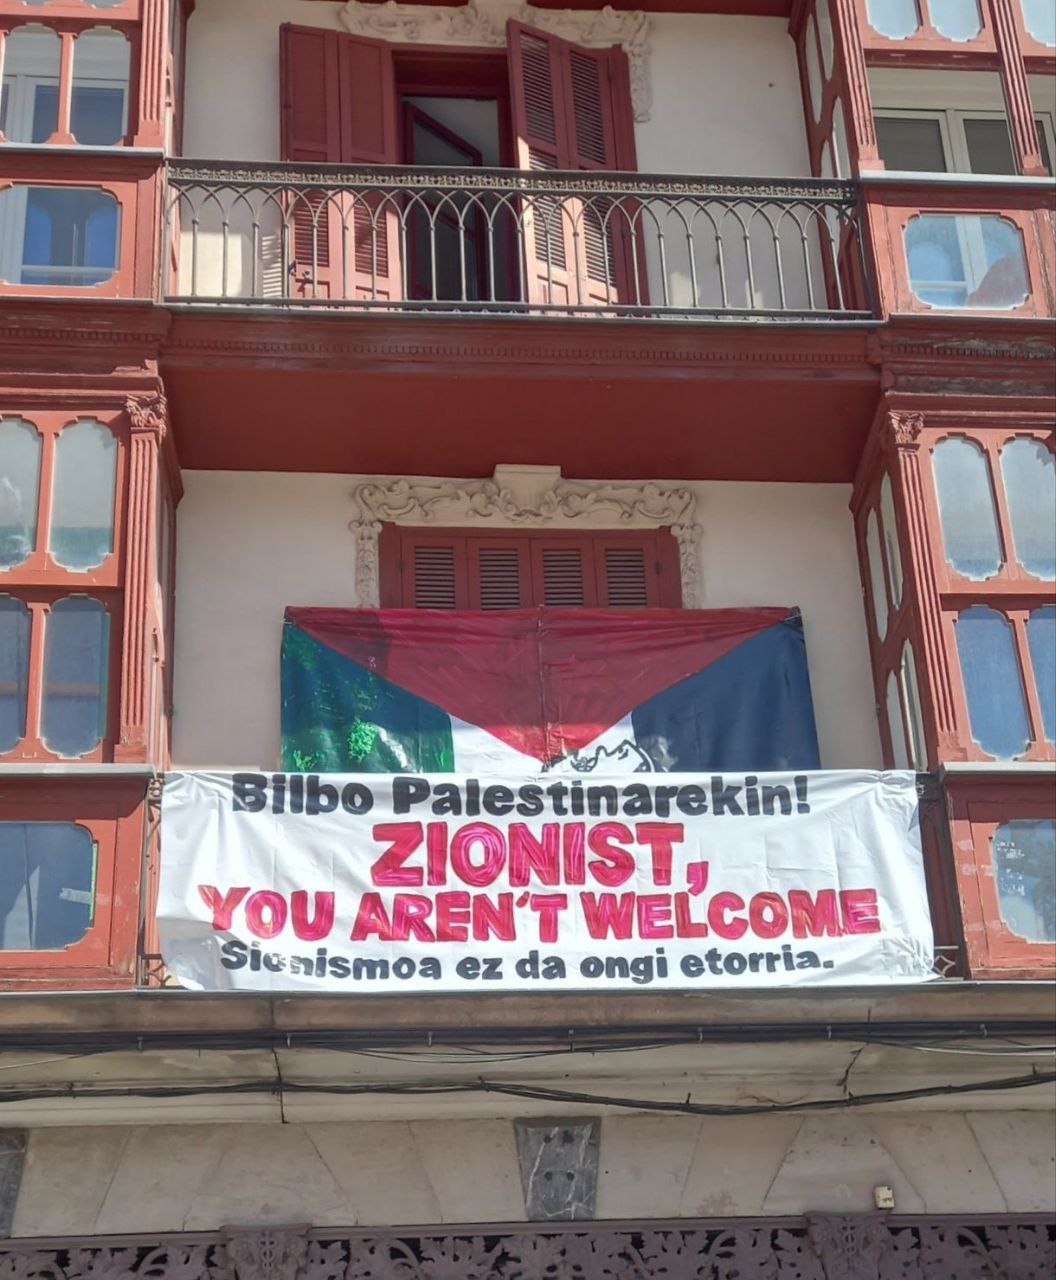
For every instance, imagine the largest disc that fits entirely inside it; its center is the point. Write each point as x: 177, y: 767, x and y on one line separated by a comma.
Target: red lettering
x: 410, y: 911
x: 493, y: 848
x: 654, y: 916
x: 768, y: 915
x: 548, y: 906
x: 223, y: 908
x: 389, y: 870
x: 814, y: 917
x: 491, y: 920
x: 735, y: 927
x: 529, y: 855
x: 573, y: 838
x: 660, y: 837
x: 452, y: 916
x: 371, y: 918
x: 266, y: 913
x: 614, y: 865
x: 323, y: 921
x: 685, y: 925
x: 436, y: 852
x: 606, y: 913
x: 860, y: 911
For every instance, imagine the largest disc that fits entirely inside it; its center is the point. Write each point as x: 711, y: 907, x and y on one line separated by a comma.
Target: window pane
x: 956, y: 19
x: 1041, y: 638
x: 828, y: 48
x: 82, y: 499
x: 30, y: 85
x: 876, y: 574
x: 894, y: 556
x: 14, y: 671
x: 20, y: 447
x: 1025, y: 862
x: 1028, y: 469
x: 918, y: 754
x: 810, y: 41
x: 839, y: 141
x: 966, y: 260
x: 100, y: 84
x: 1039, y: 17
x: 966, y: 509
x: 76, y: 666
x: 895, y: 19
x: 47, y: 885
x: 989, y: 146
x: 58, y: 235
x: 910, y: 144
x: 996, y: 705
x: 899, y: 758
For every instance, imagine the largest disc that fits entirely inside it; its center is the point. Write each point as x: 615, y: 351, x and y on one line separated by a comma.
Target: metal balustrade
x: 492, y: 241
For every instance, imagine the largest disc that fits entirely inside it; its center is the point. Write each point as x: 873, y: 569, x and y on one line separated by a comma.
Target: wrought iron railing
x: 496, y: 241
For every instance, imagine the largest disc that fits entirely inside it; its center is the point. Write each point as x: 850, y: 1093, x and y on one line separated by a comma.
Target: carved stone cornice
x: 558, y: 503
x: 148, y: 415
x: 267, y: 1253
x: 476, y: 24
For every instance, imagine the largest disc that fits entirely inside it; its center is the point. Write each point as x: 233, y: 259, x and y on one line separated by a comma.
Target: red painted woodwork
x: 739, y: 8
x: 501, y: 568
x: 113, y: 810
x: 339, y: 106
x: 1022, y: 126
x: 978, y: 805
x: 571, y: 110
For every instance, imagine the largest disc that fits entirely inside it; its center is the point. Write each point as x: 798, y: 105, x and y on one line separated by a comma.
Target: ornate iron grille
x: 860, y: 1247
x: 498, y: 241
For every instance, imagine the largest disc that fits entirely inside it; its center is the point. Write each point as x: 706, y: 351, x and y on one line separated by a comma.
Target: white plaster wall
x: 251, y: 543
x: 726, y: 94
x: 103, y: 1180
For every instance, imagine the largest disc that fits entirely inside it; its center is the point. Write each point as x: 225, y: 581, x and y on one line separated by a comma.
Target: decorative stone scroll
x: 475, y: 23
x: 824, y: 1249
x: 524, y: 497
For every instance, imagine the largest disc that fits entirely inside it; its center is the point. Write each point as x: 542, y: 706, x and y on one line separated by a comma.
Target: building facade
x: 686, y: 306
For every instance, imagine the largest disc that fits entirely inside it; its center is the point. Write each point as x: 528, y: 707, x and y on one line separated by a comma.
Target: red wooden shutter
x: 499, y: 572
x: 571, y: 110
x: 339, y: 107
x: 311, y: 133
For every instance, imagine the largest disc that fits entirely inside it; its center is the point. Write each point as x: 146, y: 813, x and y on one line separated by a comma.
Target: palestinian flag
x: 431, y: 691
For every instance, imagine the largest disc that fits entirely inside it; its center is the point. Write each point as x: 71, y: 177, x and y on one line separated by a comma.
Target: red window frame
x: 397, y: 544
x: 927, y: 43
x: 113, y: 814
x: 1011, y: 591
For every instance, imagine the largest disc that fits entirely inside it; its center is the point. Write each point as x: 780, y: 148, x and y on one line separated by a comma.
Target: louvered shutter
x: 571, y: 111
x: 311, y: 134
x: 339, y: 107
x: 499, y: 573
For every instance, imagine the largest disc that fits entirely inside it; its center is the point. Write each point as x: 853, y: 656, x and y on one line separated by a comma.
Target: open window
x: 545, y: 105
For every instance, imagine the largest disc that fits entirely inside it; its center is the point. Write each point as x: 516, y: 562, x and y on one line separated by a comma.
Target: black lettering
x: 692, y: 800
x: 724, y: 799
x: 249, y: 792
x: 530, y: 800
x: 407, y: 792
x: 498, y: 800
x: 233, y: 955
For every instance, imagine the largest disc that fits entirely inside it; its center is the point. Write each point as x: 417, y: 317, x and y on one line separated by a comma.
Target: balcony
x: 502, y: 242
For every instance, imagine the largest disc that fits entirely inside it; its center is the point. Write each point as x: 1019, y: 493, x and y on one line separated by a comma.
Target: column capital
x: 148, y: 415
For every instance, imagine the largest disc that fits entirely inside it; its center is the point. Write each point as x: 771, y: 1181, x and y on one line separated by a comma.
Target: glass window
x: 899, y: 758
x: 894, y: 556
x: 29, y: 105
x: 876, y: 574
x: 966, y: 508
x: 47, y: 885
x: 813, y: 68
x: 14, y: 671
x: 82, y: 498
x: 1041, y: 639
x: 997, y: 708
x: 58, y: 235
x: 895, y: 19
x: 1024, y: 853
x: 966, y: 260
x: 916, y: 719
x: 828, y: 48
x: 839, y: 141
x: 989, y: 146
x: 908, y: 143
x: 20, y: 446
x: 100, y: 87
x: 1028, y: 469
x: 956, y: 19
x: 1039, y: 17
x: 76, y: 667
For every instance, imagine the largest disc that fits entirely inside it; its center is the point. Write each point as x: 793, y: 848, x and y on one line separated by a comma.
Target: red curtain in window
x: 339, y: 107
x: 571, y: 110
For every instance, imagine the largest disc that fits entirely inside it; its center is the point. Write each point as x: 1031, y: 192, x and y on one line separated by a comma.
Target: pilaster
x: 1018, y: 107
x: 858, y: 107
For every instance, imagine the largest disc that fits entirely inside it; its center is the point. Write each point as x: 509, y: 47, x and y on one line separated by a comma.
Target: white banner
x: 394, y: 883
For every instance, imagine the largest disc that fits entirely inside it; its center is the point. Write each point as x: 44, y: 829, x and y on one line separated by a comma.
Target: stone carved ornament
x: 823, y: 1250
x: 474, y: 23
x: 543, y: 497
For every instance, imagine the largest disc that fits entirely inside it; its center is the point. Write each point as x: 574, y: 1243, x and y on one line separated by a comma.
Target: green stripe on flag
x: 337, y: 717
